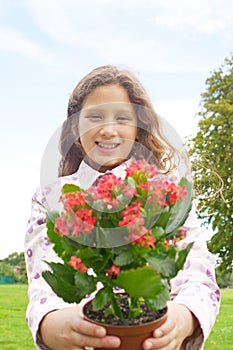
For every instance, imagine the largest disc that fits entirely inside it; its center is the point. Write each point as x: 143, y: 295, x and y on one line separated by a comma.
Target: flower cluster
x: 76, y: 263
x: 126, y: 231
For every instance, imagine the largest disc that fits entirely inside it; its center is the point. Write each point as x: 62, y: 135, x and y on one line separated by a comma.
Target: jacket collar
x: 86, y: 175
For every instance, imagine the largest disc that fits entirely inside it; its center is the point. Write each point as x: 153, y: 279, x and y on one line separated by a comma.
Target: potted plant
x: 120, y: 235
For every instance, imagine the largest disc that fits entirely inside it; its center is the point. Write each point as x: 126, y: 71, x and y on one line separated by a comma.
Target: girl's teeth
x: 109, y: 146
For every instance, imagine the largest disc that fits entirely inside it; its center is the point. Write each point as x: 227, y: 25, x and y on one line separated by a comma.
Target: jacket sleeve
x: 37, y: 250
x: 195, y: 286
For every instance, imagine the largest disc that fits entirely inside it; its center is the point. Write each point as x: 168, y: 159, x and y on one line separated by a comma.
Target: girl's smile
x: 107, y: 126
x: 107, y: 146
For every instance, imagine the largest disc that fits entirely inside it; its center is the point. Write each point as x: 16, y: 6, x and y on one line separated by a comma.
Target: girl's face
x: 107, y: 126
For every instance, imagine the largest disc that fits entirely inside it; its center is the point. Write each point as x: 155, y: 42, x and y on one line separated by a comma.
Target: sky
x: 47, y: 46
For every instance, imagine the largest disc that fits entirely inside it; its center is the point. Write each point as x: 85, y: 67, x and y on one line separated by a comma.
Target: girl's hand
x: 179, y: 325
x: 65, y: 329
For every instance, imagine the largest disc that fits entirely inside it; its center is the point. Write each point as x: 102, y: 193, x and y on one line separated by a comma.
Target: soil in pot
x: 132, y: 332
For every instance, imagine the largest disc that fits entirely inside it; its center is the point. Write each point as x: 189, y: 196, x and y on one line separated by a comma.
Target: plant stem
x: 101, y: 241
x: 134, y: 307
x: 116, y: 308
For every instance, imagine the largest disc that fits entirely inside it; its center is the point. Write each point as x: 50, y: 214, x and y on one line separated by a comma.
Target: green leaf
x: 70, y: 248
x: 54, y: 237
x: 131, y: 182
x: 70, y: 188
x: 163, y: 219
x: 101, y: 298
x: 167, y: 267
x: 69, y: 242
x: 125, y: 258
x: 141, y: 282
x: 87, y: 254
x: 65, y: 271
x: 182, y: 255
x: 160, y: 301
x: 63, y: 289
x: 85, y: 283
x: 158, y: 232
x: 115, y: 306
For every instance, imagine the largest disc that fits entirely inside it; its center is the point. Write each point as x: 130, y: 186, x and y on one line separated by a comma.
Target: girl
x: 111, y: 121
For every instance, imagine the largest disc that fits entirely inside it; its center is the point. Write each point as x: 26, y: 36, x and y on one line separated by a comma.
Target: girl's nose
x: 108, y: 130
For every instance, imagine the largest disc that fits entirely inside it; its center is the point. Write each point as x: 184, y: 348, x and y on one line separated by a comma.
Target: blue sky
x: 46, y: 46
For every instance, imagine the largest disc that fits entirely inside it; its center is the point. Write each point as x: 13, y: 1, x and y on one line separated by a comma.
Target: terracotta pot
x: 131, y: 337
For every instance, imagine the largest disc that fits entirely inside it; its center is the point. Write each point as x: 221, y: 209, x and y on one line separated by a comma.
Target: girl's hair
x: 150, y: 143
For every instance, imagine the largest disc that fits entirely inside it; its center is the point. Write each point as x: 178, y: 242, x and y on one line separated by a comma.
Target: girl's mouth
x: 107, y: 145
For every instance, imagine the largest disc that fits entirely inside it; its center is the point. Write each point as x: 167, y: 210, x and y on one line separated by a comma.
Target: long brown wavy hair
x: 150, y: 143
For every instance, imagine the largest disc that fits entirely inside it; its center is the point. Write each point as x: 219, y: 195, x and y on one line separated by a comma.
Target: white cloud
x: 198, y: 16
x: 13, y: 41
x: 96, y: 29
x: 60, y: 19
x: 64, y: 20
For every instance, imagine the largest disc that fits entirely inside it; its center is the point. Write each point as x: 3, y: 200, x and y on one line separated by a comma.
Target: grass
x: 221, y: 336
x: 15, y: 335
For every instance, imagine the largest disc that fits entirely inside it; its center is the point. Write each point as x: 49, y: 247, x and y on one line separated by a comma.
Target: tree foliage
x: 212, y: 153
x: 6, y: 270
x: 8, y: 265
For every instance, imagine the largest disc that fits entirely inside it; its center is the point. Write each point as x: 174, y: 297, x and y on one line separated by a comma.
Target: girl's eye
x: 122, y: 118
x: 94, y: 117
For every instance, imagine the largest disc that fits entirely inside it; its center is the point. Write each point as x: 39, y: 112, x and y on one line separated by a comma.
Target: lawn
x: 14, y: 333
x: 221, y: 337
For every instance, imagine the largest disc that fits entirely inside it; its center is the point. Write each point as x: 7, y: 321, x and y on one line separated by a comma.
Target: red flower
x: 86, y: 216
x: 113, y: 271
x: 76, y: 263
x: 147, y: 240
x: 81, y: 224
x: 73, y: 200
x: 131, y: 214
x: 182, y: 233
x: 141, y: 169
x: 61, y: 225
x: 106, y: 190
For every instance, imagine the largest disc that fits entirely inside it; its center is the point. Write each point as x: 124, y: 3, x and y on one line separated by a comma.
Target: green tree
x: 11, y: 262
x: 15, y: 259
x: 6, y: 270
x: 212, y: 153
